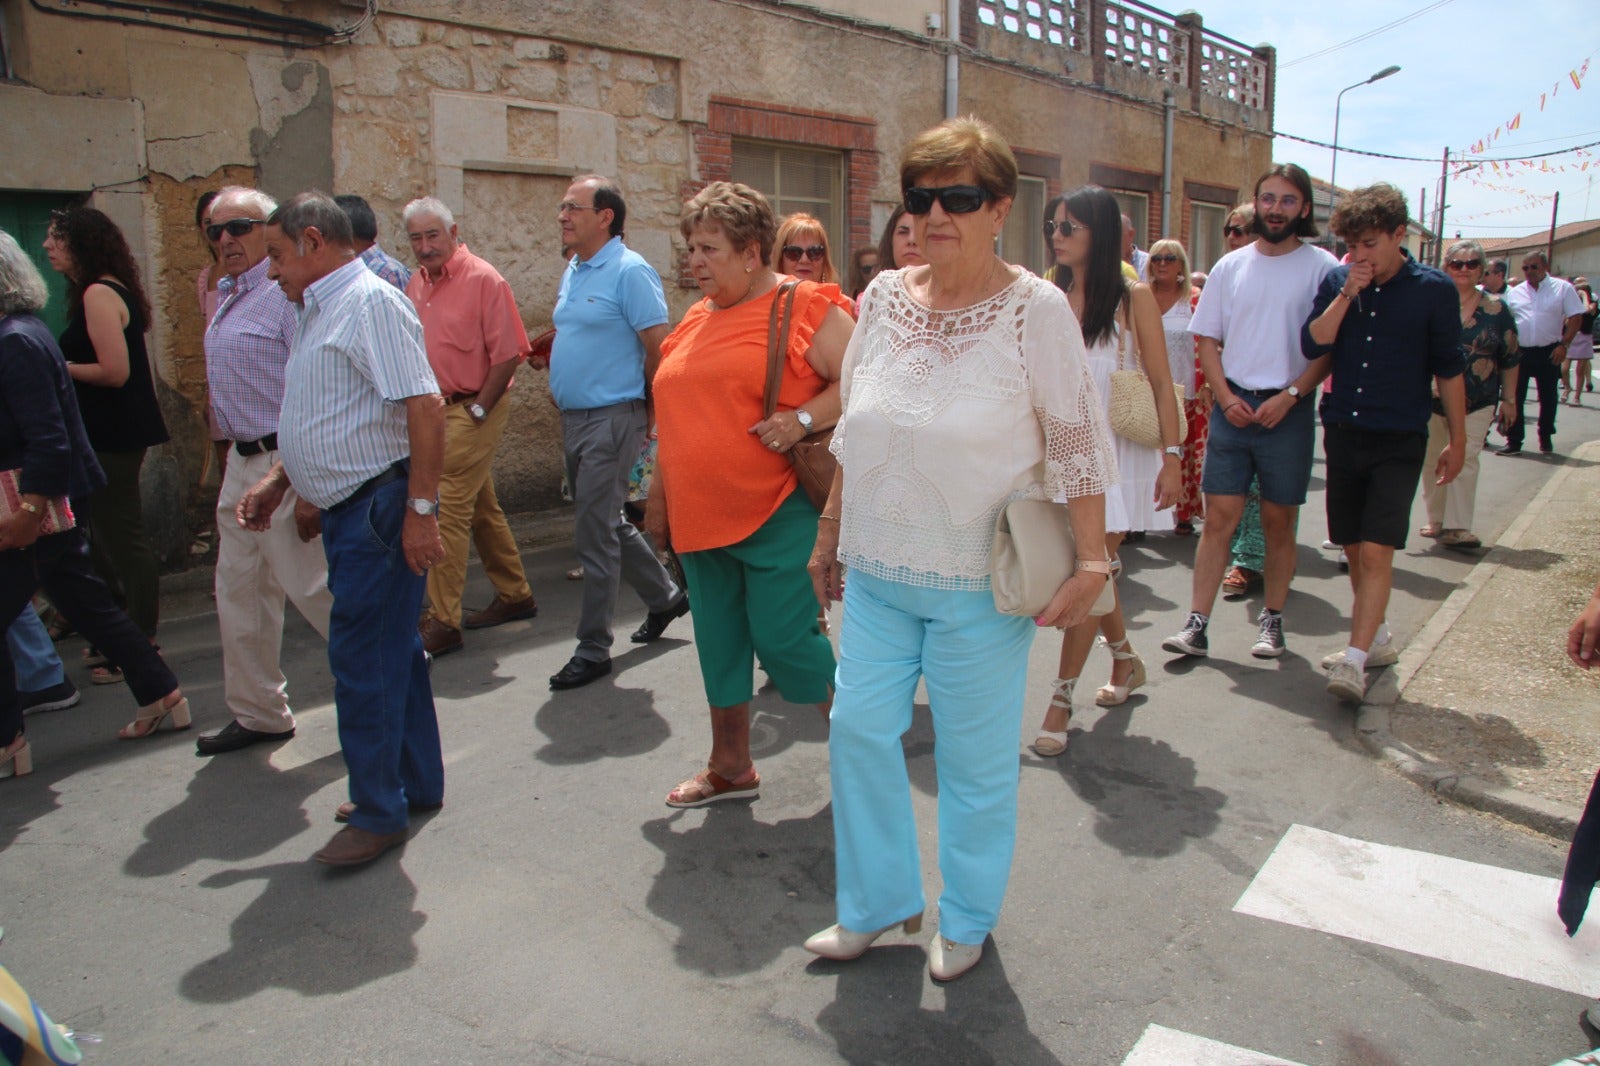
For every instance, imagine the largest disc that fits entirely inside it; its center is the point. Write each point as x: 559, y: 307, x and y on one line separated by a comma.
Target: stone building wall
x: 495, y: 108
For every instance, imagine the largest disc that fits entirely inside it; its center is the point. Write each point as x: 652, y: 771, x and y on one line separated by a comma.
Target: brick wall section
x: 857, y: 137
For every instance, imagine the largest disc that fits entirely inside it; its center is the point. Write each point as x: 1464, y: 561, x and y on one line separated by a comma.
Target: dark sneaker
x: 1192, y: 641
x: 57, y: 697
x: 1269, y: 642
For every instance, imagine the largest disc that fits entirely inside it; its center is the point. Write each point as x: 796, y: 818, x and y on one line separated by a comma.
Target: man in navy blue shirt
x: 1393, y: 327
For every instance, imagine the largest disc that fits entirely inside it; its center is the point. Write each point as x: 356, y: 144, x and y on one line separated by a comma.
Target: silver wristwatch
x: 477, y: 412
x: 1293, y: 391
x: 423, y: 507
x: 804, y: 418
x: 1173, y: 450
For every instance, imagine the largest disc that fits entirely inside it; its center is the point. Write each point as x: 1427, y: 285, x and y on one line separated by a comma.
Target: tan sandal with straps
x: 1048, y: 745
x: 1110, y: 695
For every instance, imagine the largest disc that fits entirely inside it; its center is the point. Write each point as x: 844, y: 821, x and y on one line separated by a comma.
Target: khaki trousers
x: 256, y: 572
x: 469, y: 511
x: 1451, y: 506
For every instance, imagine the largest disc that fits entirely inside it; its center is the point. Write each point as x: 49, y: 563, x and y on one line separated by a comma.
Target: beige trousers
x: 255, y: 573
x: 470, y: 512
x: 1450, y: 506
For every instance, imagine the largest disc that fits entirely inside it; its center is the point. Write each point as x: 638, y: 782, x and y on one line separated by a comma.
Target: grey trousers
x: 601, y: 444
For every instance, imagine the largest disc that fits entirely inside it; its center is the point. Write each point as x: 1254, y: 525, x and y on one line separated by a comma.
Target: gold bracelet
x: 828, y: 517
x: 1095, y: 566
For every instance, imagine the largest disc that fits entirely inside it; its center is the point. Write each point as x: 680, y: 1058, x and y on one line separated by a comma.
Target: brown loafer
x: 343, y: 812
x: 351, y: 846
x: 500, y: 612
x: 437, y: 638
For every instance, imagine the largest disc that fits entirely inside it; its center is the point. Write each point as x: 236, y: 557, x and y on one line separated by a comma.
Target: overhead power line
x: 1365, y: 36
x: 1435, y: 159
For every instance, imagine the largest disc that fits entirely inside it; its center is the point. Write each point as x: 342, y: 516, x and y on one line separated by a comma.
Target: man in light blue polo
x: 610, y: 318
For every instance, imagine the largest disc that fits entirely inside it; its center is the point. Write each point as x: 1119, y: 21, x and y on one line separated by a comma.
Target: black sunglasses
x: 1065, y: 227
x: 234, y: 227
x: 813, y: 252
x: 1464, y: 264
x: 955, y: 199
x: 1164, y: 258
x: 1235, y: 231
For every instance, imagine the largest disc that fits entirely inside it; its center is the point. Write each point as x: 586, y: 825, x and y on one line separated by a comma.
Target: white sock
x: 1383, y: 636
x: 1357, y: 656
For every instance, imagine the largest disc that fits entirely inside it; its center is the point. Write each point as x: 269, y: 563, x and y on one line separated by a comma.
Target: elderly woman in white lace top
x: 964, y: 386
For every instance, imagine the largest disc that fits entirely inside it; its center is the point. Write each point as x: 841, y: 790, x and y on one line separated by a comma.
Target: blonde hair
x: 1168, y: 246
x: 742, y: 214
x: 962, y: 142
x: 790, y: 232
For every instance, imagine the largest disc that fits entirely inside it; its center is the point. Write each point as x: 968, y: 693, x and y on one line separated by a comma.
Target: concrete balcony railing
x: 1131, y: 48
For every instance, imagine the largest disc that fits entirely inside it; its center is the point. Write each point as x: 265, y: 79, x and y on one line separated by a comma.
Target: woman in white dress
x: 1170, y: 284
x: 1121, y: 323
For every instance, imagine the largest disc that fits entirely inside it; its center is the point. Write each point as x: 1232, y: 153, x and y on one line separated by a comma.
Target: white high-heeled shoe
x: 1048, y: 745
x: 840, y: 944
x: 948, y: 960
x: 1110, y: 695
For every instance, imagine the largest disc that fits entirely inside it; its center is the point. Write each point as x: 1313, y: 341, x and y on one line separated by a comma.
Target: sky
x: 1468, y: 68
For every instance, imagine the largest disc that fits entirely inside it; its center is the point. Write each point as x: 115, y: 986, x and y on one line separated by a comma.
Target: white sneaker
x: 1346, y: 682
x: 1378, y: 656
x: 1329, y: 546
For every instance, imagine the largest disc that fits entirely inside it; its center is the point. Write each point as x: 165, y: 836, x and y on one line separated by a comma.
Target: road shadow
x: 740, y: 891
x: 1479, y: 744
x: 877, y: 1015
x: 1527, y: 558
x: 622, y: 724
x: 1143, y: 791
x: 223, y: 820
x: 312, y: 930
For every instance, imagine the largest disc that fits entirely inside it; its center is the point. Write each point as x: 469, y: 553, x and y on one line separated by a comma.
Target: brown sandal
x: 151, y: 715
x: 708, y: 786
x: 1238, y: 581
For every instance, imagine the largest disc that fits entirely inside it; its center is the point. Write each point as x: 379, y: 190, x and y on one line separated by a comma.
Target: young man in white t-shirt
x: 1263, y: 425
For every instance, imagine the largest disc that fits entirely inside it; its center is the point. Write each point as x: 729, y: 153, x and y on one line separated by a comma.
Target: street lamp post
x: 1333, y: 173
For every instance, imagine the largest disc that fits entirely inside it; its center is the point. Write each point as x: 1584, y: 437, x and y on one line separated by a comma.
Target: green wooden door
x: 26, y: 216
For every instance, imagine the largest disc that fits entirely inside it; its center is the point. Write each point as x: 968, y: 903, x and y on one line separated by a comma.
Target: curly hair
x: 742, y: 214
x: 98, y: 250
x: 1379, y: 208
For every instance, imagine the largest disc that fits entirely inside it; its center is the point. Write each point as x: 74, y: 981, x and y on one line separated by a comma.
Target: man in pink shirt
x: 475, y: 338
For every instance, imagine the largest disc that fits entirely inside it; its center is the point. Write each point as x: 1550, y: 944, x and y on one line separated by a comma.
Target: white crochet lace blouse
x: 948, y: 415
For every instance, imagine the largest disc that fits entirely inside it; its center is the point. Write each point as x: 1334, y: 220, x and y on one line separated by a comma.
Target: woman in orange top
x: 725, y: 495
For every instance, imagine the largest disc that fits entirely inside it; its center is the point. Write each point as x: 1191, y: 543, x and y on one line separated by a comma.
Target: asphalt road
x: 557, y: 911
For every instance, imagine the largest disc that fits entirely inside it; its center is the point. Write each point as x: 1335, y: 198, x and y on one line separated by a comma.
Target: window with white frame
x: 796, y: 179
x: 1022, y: 240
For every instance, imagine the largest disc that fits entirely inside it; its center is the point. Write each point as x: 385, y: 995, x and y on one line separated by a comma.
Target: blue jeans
x: 1279, y: 457
x: 975, y: 662
x: 33, y: 653
x: 387, y: 725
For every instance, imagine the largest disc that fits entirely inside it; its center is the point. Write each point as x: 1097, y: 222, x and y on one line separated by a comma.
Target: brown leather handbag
x: 814, y: 465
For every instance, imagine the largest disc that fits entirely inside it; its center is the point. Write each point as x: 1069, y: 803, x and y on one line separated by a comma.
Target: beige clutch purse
x: 1033, y: 556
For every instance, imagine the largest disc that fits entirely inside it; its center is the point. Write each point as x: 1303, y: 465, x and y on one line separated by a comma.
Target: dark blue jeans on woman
x: 384, y: 699
x: 60, y: 565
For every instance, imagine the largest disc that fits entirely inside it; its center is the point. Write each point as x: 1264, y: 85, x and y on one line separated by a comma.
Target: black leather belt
x: 1252, y: 392
x: 459, y: 397
x: 269, y: 443
x: 367, y: 488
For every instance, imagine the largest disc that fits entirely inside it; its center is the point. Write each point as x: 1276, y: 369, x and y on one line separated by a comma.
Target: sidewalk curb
x: 1373, y: 719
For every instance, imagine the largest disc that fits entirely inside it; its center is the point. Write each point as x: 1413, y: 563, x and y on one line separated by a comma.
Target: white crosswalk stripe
x: 1160, y: 1046
x: 1501, y: 921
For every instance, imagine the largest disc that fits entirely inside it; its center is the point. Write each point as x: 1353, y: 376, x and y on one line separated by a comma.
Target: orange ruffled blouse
x: 721, y: 483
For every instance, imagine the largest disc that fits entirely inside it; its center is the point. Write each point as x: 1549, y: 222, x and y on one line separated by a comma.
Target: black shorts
x: 1372, y: 481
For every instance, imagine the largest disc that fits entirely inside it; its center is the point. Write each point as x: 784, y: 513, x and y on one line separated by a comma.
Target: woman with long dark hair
x: 103, y: 343
x: 1122, y: 327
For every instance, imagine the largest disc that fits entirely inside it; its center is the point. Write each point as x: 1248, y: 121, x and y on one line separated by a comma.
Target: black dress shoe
x: 1546, y: 445
x: 1510, y: 449
x: 579, y: 672
x: 234, y: 736
x: 656, y: 622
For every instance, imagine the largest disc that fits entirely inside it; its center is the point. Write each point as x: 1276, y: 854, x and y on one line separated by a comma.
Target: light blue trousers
x: 975, y: 662
x: 32, y: 653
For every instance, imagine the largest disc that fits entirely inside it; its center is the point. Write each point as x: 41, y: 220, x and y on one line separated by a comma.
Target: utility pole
x: 1550, y: 248
x: 1425, y: 253
x: 1444, y: 181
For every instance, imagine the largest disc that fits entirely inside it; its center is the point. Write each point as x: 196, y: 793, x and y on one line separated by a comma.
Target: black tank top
x: 126, y: 418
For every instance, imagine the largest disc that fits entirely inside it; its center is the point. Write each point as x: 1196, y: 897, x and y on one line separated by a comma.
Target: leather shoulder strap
x: 778, y: 326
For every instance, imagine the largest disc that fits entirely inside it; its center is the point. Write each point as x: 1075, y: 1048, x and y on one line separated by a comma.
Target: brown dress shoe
x: 351, y: 846
x: 499, y: 612
x: 437, y: 638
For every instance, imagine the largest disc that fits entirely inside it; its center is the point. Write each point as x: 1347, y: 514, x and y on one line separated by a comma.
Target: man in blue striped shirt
x: 361, y: 437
